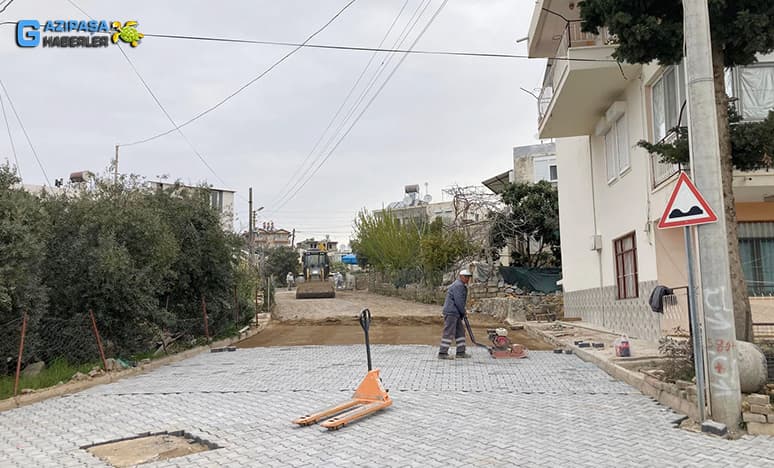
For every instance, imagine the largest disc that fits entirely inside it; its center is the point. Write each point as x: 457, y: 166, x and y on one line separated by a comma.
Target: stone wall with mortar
x: 521, y: 308
x: 409, y: 293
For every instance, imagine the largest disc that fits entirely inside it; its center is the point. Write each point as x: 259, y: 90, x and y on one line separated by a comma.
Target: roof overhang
x: 498, y: 183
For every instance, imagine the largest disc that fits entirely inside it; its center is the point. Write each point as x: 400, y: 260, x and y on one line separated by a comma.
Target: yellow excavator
x: 317, y: 270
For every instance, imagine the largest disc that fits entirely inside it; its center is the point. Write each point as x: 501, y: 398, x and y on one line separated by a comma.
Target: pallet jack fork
x: 369, y: 397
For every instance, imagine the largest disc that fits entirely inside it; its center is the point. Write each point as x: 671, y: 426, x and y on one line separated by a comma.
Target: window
x: 756, y: 91
x: 756, y: 250
x: 545, y: 169
x: 216, y: 198
x: 667, y: 96
x: 626, y: 266
x: 617, y: 149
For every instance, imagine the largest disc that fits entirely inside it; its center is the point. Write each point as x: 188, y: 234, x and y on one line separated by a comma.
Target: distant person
x: 290, y: 279
x: 453, y: 315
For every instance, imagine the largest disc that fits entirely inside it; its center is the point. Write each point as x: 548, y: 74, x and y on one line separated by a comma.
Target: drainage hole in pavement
x: 147, y: 448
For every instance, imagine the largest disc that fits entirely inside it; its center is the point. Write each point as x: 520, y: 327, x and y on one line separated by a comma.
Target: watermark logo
x: 76, y: 33
x: 127, y: 33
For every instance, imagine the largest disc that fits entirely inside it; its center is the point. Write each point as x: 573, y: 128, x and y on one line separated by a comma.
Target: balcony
x: 580, y: 82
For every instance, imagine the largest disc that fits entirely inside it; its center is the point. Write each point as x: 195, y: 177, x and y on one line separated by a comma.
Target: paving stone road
x: 549, y: 410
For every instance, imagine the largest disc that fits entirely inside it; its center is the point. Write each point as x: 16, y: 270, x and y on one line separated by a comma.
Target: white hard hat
x: 465, y: 272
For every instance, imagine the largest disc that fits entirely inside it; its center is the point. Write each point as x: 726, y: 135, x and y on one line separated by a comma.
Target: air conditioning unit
x: 615, y: 111
x: 596, y: 242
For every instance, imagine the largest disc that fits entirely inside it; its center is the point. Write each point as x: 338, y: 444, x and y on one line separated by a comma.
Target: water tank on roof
x: 81, y: 176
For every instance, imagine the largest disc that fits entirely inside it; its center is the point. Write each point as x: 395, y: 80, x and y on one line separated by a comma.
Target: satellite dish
x: 428, y: 198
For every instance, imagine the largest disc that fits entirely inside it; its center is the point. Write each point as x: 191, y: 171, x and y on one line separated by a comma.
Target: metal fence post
x: 99, y: 340
x: 21, y: 351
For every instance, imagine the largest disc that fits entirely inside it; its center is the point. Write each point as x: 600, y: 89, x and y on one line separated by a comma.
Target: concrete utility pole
x: 250, y: 238
x: 717, y: 306
x: 115, y: 168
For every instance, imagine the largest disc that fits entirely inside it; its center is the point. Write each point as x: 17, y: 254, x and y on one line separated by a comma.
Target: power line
x: 5, y: 7
x: 242, y: 88
x: 169, y: 117
x: 402, y: 36
x: 24, y: 130
x: 341, y: 107
x: 373, y: 49
x: 407, y: 28
x: 159, y: 104
x: 10, y: 137
x: 368, y: 104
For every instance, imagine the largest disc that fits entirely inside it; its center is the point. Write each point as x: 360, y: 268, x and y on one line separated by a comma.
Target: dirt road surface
x: 348, y: 304
x: 395, y: 321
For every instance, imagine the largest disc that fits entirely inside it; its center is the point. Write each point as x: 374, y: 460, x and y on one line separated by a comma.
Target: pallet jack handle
x: 365, y: 322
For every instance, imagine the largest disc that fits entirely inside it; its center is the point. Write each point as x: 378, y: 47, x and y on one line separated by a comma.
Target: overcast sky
x: 441, y: 120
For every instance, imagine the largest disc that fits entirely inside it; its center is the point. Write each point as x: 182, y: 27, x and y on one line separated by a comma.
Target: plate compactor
x: 369, y: 397
x: 501, y: 344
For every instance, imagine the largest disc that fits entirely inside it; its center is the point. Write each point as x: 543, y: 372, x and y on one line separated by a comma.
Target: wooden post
x: 236, y: 305
x: 99, y: 340
x: 204, y: 313
x: 21, y: 351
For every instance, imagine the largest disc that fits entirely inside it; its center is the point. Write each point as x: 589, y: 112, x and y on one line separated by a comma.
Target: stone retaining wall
x: 486, y: 299
x: 521, y: 308
x: 409, y: 293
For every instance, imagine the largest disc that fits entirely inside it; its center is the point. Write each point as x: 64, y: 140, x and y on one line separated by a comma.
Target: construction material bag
x: 621, y: 346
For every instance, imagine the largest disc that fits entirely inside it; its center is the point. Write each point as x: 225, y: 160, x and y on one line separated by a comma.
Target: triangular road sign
x: 686, y: 206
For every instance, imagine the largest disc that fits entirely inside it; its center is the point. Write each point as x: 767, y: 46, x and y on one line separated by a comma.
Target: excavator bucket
x: 315, y: 290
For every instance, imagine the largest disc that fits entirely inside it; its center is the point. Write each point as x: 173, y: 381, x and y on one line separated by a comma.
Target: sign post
x: 687, y: 208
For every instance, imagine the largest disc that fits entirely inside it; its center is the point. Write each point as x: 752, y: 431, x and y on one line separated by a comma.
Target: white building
x: 269, y: 237
x: 421, y: 210
x: 220, y: 199
x: 531, y: 163
x: 612, y: 193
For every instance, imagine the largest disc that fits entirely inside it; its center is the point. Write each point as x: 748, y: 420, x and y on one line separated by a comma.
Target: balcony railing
x: 663, y: 171
x: 572, y: 37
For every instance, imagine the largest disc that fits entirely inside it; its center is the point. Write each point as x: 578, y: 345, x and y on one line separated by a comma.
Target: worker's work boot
x: 463, y: 356
x: 445, y: 356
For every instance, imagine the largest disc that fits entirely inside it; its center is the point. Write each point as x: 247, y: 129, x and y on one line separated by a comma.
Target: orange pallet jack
x: 369, y: 397
x: 502, y: 346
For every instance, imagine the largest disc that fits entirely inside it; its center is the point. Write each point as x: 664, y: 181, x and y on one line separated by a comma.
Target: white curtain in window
x: 659, y: 113
x: 610, y: 158
x: 756, y: 91
x: 622, y: 144
x: 670, y: 98
x: 629, y: 279
x: 756, y: 249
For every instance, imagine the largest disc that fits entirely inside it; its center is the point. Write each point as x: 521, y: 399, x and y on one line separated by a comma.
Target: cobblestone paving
x: 549, y: 410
